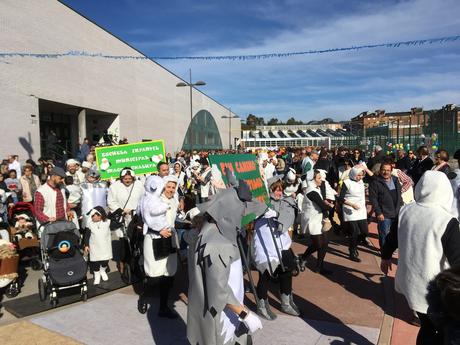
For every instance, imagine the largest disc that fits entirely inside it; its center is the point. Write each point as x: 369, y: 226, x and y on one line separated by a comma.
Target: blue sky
x: 337, y: 85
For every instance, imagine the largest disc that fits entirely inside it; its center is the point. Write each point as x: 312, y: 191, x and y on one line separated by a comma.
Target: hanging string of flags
x: 73, y: 53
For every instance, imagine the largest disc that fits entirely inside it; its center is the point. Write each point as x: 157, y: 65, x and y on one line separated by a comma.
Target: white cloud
x: 395, y: 79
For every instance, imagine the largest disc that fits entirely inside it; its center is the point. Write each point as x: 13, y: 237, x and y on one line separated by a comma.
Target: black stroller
x: 63, y: 264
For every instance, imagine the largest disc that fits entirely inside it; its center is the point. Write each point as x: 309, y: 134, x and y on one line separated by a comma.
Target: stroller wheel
x: 142, y: 306
x: 41, y: 289
x: 54, y: 303
x: 295, y: 272
x: 35, y: 264
x: 12, y: 290
x: 126, y: 274
x: 84, y: 296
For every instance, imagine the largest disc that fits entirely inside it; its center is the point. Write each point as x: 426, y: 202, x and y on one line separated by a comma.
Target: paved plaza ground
x: 354, y: 305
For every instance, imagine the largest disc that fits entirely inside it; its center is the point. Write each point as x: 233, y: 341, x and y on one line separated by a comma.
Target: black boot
x: 354, y: 256
x: 320, y: 263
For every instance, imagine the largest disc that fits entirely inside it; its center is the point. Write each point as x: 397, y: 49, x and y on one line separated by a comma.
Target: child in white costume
x: 156, y: 219
x: 97, y: 242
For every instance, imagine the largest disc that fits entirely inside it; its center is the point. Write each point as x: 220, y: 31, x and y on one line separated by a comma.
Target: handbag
x: 326, y: 225
x: 117, y: 220
x: 162, y: 247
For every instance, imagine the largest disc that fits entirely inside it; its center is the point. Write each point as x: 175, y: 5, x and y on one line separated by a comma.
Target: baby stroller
x: 63, y: 264
x: 23, y: 233
x: 9, y: 261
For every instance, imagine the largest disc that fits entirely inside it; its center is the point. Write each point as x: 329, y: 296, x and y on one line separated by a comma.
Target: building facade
x: 73, y: 97
x: 437, y: 128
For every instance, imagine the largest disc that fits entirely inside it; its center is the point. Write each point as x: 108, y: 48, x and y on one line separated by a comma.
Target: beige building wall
x: 142, y: 93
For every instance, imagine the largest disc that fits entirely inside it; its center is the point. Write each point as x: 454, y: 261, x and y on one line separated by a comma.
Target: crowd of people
x: 312, y: 191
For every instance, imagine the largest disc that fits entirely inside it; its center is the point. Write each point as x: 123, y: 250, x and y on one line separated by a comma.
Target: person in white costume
x: 428, y: 238
x: 97, y: 243
x: 273, y: 256
x: 122, y: 200
x: 315, y: 210
x: 353, y: 200
x: 158, y: 210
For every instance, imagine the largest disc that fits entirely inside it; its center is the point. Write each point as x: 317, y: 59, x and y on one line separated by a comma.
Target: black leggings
x: 319, y: 244
x: 97, y: 265
x: 166, y: 284
x: 358, y: 231
x: 285, y: 278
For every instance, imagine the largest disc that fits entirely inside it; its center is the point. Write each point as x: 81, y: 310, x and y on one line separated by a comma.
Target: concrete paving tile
x: 117, y: 314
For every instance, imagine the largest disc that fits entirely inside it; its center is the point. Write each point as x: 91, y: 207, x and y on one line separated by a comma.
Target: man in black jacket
x: 422, y: 164
x: 403, y: 163
x: 385, y: 197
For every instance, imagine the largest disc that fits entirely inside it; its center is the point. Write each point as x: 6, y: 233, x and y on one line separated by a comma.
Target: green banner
x: 140, y: 157
x: 244, y: 167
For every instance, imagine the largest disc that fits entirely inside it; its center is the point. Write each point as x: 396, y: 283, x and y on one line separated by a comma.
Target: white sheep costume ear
x: 154, y: 184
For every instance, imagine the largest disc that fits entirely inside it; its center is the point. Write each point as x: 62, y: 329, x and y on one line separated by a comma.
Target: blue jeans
x: 384, y: 228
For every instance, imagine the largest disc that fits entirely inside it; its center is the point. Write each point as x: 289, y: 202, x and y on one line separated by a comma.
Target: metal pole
x: 247, y: 266
x: 191, y: 112
x: 410, y: 131
x: 397, y: 134
x: 388, y: 132
x: 230, y: 128
x: 443, y: 139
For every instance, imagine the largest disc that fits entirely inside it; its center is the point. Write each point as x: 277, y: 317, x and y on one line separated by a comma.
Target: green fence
x: 438, y: 130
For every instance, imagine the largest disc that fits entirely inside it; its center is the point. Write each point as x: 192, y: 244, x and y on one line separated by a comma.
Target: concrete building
x: 77, y: 97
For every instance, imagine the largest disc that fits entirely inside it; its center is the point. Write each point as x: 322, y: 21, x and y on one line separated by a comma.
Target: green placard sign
x: 141, y: 157
x: 244, y: 167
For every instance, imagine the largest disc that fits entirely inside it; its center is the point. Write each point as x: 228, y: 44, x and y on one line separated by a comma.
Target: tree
x: 273, y: 122
x: 252, y: 121
x: 291, y: 121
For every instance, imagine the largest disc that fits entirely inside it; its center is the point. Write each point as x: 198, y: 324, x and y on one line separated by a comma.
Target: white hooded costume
x: 421, y: 226
x: 158, y: 212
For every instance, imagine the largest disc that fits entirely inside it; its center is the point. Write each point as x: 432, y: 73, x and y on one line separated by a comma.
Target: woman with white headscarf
x: 315, y: 209
x: 158, y: 210
x: 428, y: 238
x: 178, y: 172
x: 353, y: 198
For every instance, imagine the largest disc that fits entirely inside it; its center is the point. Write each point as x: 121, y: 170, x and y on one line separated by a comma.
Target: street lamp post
x: 230, y: 117
x: 191, y: 85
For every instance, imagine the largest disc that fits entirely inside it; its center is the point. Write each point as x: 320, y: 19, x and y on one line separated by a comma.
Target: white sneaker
x: 97, y: 277
x: 104, y: 275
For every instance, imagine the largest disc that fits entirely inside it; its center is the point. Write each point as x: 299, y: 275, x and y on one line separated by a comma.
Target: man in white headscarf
x: 428, y: 238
